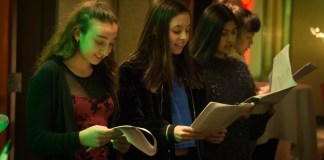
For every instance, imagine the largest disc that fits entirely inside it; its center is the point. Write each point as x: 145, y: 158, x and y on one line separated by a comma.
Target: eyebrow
x: 101, y: 36
x: 230, y: 29
x: 104, y: 37
x: 181, y: 26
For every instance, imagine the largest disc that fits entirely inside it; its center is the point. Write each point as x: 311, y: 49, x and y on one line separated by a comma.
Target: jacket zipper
x: 195, y: 116
x: 193, y: 105
x: 161, y: 108
x: 161, y: 112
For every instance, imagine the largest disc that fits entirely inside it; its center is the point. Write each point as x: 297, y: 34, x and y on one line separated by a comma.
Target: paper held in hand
x: 281, y: 81
x: 135, y: 137
x: 216, y: 116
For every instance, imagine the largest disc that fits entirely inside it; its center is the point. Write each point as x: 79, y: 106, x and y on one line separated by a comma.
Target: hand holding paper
x: 184, y: 133
x: 121, y: 144
x: 217, y: 116
x: 135, y: 137
x: 217, y: 137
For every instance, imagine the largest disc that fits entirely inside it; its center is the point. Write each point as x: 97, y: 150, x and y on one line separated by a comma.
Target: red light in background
x: 247, y: 3
x: 247, y: 57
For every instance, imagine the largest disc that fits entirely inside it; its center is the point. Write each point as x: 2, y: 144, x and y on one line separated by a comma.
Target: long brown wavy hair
x: 63, y: 44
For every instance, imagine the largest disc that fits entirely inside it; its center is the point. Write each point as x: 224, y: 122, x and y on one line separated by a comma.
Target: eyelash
x: 100, y: 43
x: 225, y: 33
x: 178, y: 32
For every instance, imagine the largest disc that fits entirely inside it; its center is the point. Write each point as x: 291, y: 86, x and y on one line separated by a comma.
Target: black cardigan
x: 51, y: 126
x: 140, y: 107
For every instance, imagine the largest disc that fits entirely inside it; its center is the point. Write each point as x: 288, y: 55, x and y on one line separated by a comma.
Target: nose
x: 106, y: 50
x: 184, y: 35
x: 231, y: 38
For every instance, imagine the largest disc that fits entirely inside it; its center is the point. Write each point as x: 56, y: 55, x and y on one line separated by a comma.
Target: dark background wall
x: 35, y: 24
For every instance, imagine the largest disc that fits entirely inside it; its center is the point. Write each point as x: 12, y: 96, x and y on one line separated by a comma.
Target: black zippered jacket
x: 142, y: 108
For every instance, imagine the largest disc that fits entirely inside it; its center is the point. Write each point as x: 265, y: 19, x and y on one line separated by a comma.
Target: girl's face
x: 179, y: 32
x: 244, y: 41
x: 98, y: 41
x: 228, y: 39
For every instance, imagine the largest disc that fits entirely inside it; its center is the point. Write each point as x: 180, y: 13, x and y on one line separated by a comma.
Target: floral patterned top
x: 92, y: 111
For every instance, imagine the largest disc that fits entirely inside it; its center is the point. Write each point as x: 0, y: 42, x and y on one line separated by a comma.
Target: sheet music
x: 281, y: 71
x: 216, y: 116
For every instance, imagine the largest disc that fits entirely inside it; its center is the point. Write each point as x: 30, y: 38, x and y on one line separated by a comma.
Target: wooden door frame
x: 5, y: 30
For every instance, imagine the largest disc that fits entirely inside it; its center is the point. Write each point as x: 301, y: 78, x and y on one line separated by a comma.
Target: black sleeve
x: 258, y: 124
x: 42, y: 104
x: 136, y: 108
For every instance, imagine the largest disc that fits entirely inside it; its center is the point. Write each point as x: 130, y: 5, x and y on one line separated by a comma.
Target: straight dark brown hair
x: 154, y: 54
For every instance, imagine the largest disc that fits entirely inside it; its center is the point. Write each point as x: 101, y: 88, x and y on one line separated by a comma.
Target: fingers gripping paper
x: 135, y: 136
x: 216, y: 116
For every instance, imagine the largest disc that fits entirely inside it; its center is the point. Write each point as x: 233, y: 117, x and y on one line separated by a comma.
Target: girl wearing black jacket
x: 161, y: 87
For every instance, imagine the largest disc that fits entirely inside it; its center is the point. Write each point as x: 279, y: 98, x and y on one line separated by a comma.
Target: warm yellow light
x: 321, y: 35
x: 317, y: 33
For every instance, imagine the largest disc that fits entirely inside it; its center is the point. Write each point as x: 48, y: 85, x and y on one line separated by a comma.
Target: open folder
x: 216, y: 116
x: 281, y: 82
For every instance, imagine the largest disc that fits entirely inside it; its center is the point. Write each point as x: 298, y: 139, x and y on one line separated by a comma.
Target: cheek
x: 86, y: 47
x: 172, y: 37
x: 248, y: 43
x: 186, y: 41
x: 220, y: 46
x: 244, y: 41
x: 222, y: 43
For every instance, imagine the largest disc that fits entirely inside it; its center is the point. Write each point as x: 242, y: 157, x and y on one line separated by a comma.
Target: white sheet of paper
x: 216, y: 116
x: 281, y: 82
x: 282, y: 77
x: 135, y: 136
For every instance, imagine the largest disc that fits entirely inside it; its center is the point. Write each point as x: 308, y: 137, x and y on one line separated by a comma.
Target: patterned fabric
x: 229, y: 81
x: 89, y: 112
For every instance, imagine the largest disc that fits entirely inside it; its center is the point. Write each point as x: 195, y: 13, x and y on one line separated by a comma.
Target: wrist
x: 80, y: 138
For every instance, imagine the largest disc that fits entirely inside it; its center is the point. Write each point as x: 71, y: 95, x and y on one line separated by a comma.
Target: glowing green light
x: 4, y: 121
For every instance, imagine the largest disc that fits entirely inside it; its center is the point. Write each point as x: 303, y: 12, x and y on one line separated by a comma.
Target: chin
x: 177, y: 53
x: 95, y: 62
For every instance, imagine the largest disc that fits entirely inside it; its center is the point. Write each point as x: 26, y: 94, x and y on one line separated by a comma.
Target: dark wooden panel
x: 4, y: 63
x: 35, y: 21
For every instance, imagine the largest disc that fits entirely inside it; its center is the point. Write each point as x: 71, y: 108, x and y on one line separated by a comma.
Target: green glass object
x: 4, y: 121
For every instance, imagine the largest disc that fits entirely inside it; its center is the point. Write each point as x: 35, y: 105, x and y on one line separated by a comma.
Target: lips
x: 179, y: 45
x: 228, y: 47
x: 99, y: 57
